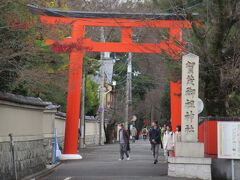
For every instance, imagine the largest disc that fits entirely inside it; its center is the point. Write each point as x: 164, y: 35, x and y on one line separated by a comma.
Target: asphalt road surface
x: 101, y: 163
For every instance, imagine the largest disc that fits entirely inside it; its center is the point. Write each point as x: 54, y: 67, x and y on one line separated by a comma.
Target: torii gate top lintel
x: 110, y: 15
x: 175, y: 23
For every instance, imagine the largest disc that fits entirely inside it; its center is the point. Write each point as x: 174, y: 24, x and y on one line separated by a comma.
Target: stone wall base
x: 91, y: 139
x: 190, y: 167
x: 30, y: 157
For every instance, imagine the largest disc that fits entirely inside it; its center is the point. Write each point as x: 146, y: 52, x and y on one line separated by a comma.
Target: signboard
x: 190, y: 71
x: 229, y: 140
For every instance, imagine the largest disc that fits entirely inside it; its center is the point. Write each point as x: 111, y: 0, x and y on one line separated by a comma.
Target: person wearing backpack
x: 155, y: 140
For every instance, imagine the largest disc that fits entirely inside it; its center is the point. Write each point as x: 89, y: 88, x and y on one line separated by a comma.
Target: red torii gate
x: 77, y: 44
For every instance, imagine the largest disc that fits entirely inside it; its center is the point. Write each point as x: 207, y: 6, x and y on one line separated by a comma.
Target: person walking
x: 163, y: 130
x: 124, y: 143
x: 168, y: 142
x: 155, y: 140
x: 133, y: 134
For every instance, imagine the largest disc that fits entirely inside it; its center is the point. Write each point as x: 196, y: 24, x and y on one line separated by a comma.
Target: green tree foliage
x: 174, y: 69
x: 28, y: 66
x: 218, y: 46
x: 140, y: 84
x: 216, y: 40
x: 92, y: 100
x: 165, y: 104
x: 91, y: 68
x: 16, y: 41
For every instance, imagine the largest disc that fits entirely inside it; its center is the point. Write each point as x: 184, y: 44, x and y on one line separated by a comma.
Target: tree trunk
x: 109, y: 133
x: 214, y: 94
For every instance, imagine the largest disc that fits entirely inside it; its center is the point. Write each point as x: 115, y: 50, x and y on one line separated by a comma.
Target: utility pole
x: 128, y: 89
x: 82, y: 124
x: 130, y: 80
x: 102, y: 79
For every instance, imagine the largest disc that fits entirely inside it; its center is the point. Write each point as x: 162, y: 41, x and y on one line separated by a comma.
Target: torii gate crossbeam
x: 77, y: 44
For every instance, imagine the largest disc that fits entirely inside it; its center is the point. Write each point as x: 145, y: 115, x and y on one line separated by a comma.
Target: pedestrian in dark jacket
x: 124, y: 142
x: 155, y: 140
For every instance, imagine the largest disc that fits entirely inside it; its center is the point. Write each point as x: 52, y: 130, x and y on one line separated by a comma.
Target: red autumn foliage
x: 59, y: 47
x: 17, y: 25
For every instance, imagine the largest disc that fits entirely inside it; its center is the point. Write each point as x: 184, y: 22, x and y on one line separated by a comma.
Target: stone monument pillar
x: 189, y: 158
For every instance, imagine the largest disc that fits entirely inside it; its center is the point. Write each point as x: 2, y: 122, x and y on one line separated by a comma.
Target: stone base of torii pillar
x: 189, y: 161
x: 64, y: 157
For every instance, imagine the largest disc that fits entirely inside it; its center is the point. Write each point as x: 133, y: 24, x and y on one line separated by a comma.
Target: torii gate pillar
x: 73, y: 98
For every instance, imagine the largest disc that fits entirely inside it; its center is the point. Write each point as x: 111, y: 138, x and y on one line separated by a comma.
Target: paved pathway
x: 102, y: 163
